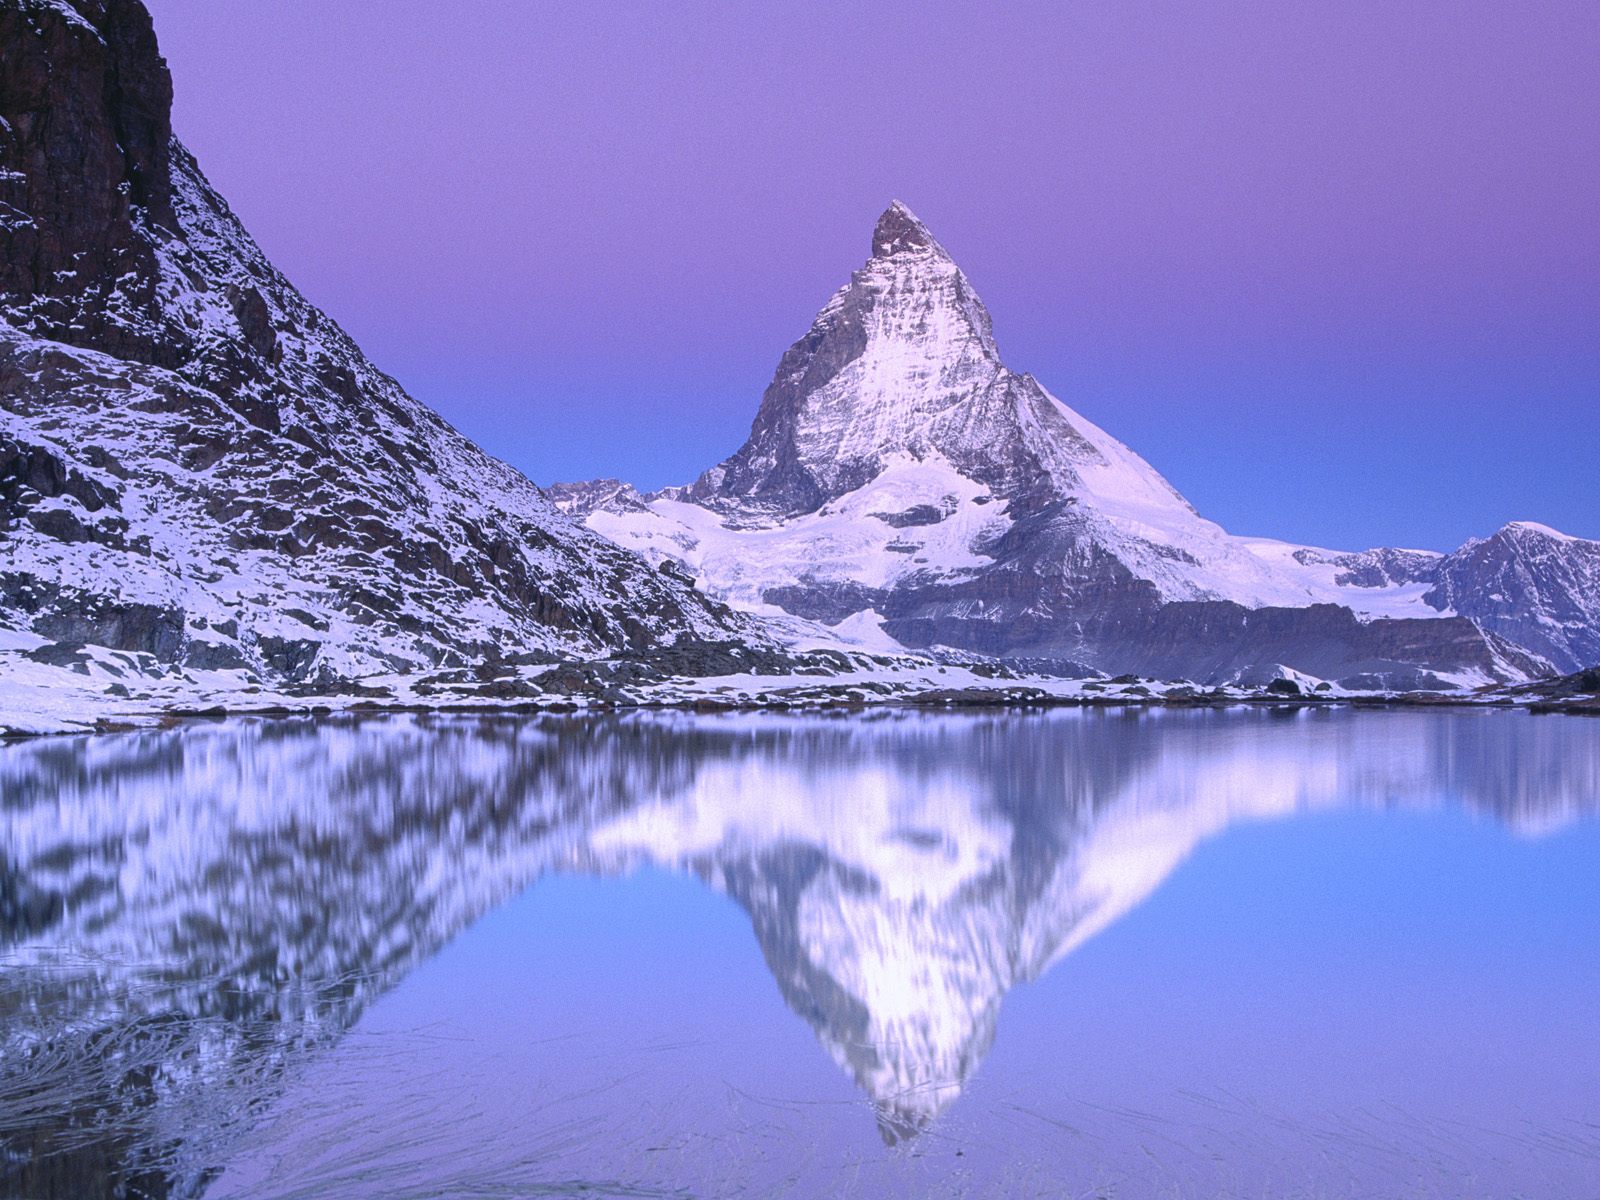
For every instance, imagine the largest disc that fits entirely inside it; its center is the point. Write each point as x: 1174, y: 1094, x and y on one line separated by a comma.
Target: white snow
x: 1544, y: 530
x: 189, y: 536
x: 923, y: 406
x: 843, y: 540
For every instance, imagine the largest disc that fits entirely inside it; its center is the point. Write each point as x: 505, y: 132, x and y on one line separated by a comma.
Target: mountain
x: 201, y: 475
x: 903, y: 485
x: 205, y: 485
x: 1531, y: 585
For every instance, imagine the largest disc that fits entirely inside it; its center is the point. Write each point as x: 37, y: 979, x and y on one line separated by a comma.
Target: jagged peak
x: 1513, y: 528
x: 900, y: 231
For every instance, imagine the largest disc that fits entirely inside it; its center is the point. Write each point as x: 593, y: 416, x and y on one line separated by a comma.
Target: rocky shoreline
x: 915, y: 688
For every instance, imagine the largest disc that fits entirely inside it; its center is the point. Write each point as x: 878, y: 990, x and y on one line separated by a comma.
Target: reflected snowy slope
x: 217, y: 902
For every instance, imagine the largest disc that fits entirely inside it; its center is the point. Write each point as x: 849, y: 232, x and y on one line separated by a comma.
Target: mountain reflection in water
x: 186, y: 914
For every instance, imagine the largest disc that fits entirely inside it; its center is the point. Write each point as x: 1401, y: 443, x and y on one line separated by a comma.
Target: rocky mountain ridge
x: 903, y: 486
x: 200, y: 473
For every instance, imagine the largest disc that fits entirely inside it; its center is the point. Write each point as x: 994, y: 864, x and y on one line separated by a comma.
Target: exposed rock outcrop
x: 197, y: 464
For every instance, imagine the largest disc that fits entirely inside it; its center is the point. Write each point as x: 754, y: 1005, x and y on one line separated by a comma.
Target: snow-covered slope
x: 900, y: 479
x: 1531, y: 585
x: 199, y: 470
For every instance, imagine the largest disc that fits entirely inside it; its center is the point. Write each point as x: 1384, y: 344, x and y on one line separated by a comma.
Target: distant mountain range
x: 205, y: 483
x: 904, y: 486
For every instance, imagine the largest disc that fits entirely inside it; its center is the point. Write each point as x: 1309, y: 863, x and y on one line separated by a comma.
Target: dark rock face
x: 31, y: 474
x: 917, y: 514
x: 182, y: 434
x: 898, y: 231
x: 86, y: 141
x: 141, y: 628
x: 1379, y: 568
x: 828, y: 601
x: 1126, y: 632
x: 1215, y: 641
x: 768, y: 469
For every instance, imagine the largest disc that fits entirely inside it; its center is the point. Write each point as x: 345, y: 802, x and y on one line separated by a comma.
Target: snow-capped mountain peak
x: 901, y: 481
x: 901, y: 363
x: 1530, y: 584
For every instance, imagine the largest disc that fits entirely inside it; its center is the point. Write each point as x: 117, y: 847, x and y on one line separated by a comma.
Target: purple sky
x: 1334, y: 269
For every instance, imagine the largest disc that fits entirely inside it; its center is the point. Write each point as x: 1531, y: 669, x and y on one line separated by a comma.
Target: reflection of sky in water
x: 1347, y: 951
x: 1344, y: 1001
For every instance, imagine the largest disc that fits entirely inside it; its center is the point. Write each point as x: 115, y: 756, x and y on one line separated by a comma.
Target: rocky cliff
x: 199, y: 471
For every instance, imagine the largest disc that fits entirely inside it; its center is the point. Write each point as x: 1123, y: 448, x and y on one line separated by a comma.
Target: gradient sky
x: 1333, y: 269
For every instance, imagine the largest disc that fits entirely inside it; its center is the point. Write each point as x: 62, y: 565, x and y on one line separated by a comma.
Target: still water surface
x: 1081, y: 954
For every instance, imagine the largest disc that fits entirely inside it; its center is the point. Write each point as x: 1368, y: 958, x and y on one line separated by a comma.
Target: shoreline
x: 934, y: 699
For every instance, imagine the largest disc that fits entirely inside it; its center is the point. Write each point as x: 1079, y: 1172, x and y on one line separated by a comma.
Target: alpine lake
x: 1115, y: 953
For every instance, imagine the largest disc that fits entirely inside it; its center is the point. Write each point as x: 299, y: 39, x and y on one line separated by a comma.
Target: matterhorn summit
x: 904, y: 487
x: 901, y: 365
